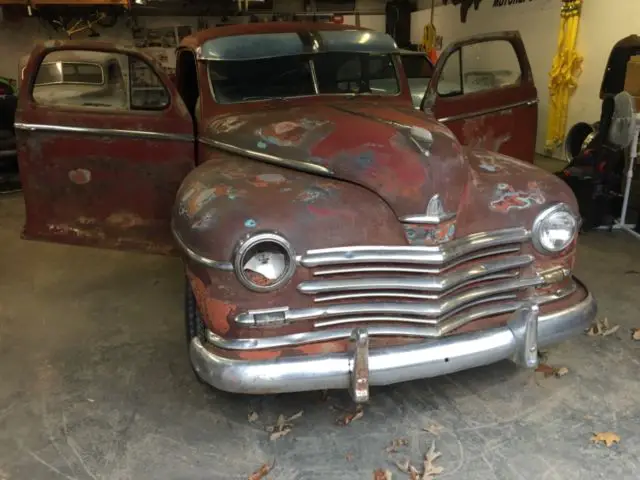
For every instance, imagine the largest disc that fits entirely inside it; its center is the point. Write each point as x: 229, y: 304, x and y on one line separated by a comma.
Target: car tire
x: 194, y: 323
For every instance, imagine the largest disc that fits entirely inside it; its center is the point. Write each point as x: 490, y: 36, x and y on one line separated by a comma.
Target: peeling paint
x: 420, y: 234
x: 250, y: 223
x: 289, y: 133
x: 80, y: 176
x: 205, y: 221
x: 506, y: 198
x: 227, y: 124
x: 478, y: 133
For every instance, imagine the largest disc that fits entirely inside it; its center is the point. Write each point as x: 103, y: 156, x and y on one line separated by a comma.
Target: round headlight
x: 264, y: 261
x: 554, y: 229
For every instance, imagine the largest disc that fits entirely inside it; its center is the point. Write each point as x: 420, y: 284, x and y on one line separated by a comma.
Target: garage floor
x: 95, y: 384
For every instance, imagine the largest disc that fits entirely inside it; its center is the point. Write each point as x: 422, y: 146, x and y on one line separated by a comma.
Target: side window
x: 113, y: 81
x: 450, y: 81
x: 479, y: 67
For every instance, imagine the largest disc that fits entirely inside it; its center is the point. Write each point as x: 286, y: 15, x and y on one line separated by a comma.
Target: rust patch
x: 80, y: 176
x: 218, y: 315
x: 126, y: 220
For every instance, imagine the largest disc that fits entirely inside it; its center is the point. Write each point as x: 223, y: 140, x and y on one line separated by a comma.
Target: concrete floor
x: 95, y: 384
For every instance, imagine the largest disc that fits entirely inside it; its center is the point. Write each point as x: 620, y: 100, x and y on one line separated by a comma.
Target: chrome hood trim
x: 430, y: 255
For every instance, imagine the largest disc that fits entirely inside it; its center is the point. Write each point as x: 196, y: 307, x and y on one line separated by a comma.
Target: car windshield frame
x: 315, y: 85
x: 59, y: 65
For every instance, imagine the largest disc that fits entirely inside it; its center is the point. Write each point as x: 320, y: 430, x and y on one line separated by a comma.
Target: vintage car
x: 418, y: 69
x: 332, y: 236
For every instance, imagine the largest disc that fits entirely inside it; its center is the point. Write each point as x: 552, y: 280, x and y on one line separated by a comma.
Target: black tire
x: 194, y: 324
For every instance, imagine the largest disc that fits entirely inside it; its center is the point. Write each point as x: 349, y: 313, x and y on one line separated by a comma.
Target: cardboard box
x: 632, y: 79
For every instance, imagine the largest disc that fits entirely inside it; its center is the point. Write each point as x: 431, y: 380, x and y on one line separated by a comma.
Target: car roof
x: 197, y: 39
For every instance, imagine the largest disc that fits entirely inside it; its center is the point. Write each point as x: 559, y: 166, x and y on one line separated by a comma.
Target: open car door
x: 104, y: 142
x: 483, y: 90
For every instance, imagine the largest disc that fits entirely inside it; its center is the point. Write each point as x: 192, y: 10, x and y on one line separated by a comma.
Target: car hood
x: 385, y: 149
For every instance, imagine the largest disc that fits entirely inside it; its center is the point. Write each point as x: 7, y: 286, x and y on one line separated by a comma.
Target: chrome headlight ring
x: 264, y: 261
x: 554, y: 229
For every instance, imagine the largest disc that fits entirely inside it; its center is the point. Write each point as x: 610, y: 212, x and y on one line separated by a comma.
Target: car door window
x: 450, y: 82
x: 480, y: 67
x: 91, y: 79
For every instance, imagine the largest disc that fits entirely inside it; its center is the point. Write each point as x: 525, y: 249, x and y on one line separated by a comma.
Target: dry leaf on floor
x: 349, y: 456
x: 413, y: 473
x: 349, y: 417
x: 434, y: 429
x: 602, y: 328
x: 608, y: 438
x: 282, y: 426
x: 280, y: 433
x: 403, y: 465
x: 635, y: 333
x: 429, y: 468
x: 252, y: 417
x: 548, y: 370
x: 295, y: 416
x: 262, y: 472
x: 397, y: 443
x: 381, y: 474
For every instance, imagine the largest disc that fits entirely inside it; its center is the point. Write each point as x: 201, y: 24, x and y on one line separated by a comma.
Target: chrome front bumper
x: 519, y: 341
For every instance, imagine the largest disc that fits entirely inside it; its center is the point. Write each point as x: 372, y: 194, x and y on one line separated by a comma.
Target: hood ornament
x: 434, y: 214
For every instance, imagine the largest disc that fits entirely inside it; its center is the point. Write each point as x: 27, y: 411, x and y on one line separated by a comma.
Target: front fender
x: 229, y: 197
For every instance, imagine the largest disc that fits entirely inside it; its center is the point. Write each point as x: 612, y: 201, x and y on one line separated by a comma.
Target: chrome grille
x: 421, y: 285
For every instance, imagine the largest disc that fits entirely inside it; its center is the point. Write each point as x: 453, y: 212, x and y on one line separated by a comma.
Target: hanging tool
x: 565, y: 70
x: 429, y: 36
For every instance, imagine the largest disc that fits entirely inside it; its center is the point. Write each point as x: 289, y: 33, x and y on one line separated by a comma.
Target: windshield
x: 416, y: 66
x: 300, y: 75
x: 65, y: 72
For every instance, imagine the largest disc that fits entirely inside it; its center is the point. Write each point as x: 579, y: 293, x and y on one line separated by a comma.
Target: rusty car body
x: 332, y: 235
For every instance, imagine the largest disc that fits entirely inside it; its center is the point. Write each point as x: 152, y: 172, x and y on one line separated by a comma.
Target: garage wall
x: 17, y: 38
x: 603, y: 24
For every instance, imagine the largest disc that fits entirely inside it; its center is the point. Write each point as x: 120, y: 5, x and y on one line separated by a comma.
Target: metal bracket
x: 524, y: 326
x: 359, y: 372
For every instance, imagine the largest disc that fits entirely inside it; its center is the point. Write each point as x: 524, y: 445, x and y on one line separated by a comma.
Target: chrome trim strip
x: 144, y: 134
x: 314, y: 77
x: 425, y: 271
x: 451, y: 311
x: 430, y: 312
x: 419, y: 330
x: 386, y: 365
x: 427, y: 219
x: 197, y: 257
x: 487, y: 111
x: 433, y: 284
x: 407, y: 295
x: 434, y: 255
x: 265, y: 157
